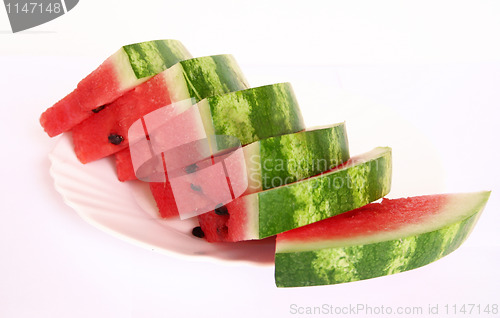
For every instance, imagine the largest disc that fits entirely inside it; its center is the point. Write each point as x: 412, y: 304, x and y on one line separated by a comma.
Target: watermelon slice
x: 361, y: 180
x: 248, y: 115
x: 106, y: 132
x: 130, y: 66
x: 273, y: 162
x: 376, y: 240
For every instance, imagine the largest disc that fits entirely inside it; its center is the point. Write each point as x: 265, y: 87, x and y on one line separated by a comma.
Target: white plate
x: 127, y: 209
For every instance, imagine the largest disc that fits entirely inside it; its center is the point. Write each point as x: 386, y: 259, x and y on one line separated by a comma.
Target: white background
x: 434, y: 64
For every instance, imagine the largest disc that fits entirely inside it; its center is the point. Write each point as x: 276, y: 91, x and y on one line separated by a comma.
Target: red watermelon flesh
x: 216, y: 226
x: 207, y: 184
x: 90, y: 138
x: 124, y: 166
x: 200, y: 192
x: 164, y: 197
x: 100, y: 87
x: 162, y: 191
x: 167, y: 207
x: 167, y: 128
x: 198, y: 179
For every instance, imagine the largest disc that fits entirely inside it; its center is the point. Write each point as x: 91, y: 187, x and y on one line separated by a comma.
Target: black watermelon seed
x: 196, y: 188
x: 98, y: 109
x: 198, y: 232
x: 191, y: 168
x: 221, y: 209
x: 115, y: 139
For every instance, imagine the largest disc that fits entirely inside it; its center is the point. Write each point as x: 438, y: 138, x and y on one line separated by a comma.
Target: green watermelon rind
x: 285, y: 159
x: 353, y: 262
x: 152, y: 57
x: 212, y: 75
x: 202, y: 77
x: 306, y: 154
x: 253, y: 114
x: 317, y: 198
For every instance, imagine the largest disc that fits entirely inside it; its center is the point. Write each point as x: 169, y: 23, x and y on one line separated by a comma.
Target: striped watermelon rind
x: 253, y: 114
x: 367, y: 179
x: 359, y: 181
x: 288, y: 158
x: 208, y: 76
x: 324, y: 261
x: 152, y: 57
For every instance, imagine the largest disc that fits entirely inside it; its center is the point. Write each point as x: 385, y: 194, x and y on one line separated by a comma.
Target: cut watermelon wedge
x: 196, y: 78
x: 361, y: 180
x: 130, y: 66
x: 376, y: 240
x: 278, y: 160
